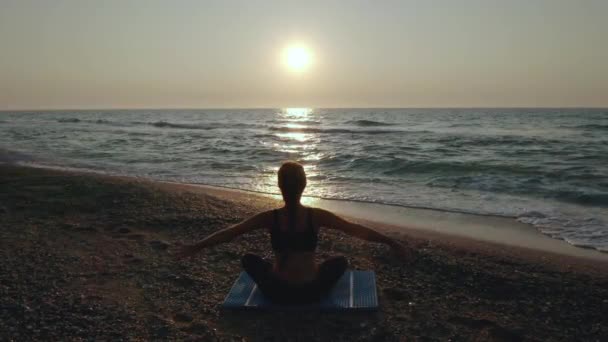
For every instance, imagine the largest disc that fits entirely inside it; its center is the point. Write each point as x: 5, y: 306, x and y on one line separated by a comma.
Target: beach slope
x: 88, y: 256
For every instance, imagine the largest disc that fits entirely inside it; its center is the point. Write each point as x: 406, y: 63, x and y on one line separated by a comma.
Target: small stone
x: 136, y: 236
x: 183, y: 317
x: 159, y: 244
x: 162, y: 332
x: 199, y: 328
x: 396, y: 293
x: 183, y: 281
x: 135, y: 260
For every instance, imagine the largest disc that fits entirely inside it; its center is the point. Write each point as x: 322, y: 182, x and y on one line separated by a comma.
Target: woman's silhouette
x: 294, y: 277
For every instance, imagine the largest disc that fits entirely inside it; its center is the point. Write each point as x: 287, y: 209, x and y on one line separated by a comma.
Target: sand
x: 89, y: 257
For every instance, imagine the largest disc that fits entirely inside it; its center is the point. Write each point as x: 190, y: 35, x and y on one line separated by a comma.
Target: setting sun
x: 297, y: 58
x: 351, y: 170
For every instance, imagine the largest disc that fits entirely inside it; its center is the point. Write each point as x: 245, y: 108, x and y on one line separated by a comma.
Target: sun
x: 297, y: 58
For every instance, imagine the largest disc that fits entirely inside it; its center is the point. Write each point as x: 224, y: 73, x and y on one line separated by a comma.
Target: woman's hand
x: 187, y: 251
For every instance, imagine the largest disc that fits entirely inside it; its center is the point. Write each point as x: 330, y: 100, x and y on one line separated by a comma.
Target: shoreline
x: 497, y: 230
x: 88, y: 255
x: 553, y: 253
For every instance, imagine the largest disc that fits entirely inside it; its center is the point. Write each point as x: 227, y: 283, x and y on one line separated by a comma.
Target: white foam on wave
x: 496, y: 162
x: 573, y: 227
x: 584, y: 232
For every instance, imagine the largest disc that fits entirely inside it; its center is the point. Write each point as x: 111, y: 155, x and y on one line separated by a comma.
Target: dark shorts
x: 282, y: 292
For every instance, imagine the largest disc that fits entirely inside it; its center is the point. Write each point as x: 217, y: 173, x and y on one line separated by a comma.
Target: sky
x: 80, y: 54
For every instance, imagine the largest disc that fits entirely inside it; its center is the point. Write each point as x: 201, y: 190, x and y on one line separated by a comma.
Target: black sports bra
x: 293, y: 241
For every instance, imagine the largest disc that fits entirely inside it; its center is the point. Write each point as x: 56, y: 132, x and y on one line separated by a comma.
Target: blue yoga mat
x: 355, y: 291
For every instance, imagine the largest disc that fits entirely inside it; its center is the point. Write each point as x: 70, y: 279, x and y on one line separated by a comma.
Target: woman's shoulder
x: 320, y: 211
x: 321, y: 216
x: 265, y: 216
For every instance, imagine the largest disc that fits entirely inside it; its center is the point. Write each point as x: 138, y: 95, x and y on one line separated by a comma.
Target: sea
x: 545, y: 167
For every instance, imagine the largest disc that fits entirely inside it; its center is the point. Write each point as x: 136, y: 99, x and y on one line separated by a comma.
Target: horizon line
x: 282, y: 107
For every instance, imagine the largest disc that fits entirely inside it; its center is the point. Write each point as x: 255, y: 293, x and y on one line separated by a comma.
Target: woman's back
x: 293, y: 231
x: 294, y: 237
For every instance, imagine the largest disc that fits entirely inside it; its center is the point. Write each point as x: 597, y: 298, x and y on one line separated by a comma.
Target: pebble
x: 159, y: 244
x: 396, y: 293
x: 50, y: 278
x: 199, y: 328
x: 162, y: 332
x: 181, y: 280
x: 135, y: 260
x: 183, y: 317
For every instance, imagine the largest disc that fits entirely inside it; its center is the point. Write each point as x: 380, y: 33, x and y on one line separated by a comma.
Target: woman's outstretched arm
x: 330, y: 220
x: 225, y: 235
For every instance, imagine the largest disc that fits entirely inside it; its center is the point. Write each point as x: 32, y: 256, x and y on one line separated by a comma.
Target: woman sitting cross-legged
x: 294, y: 277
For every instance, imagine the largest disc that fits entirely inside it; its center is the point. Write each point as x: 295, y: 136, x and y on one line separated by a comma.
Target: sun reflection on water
x: 297, y: 136
x: 297, y: 112
x: 293, y: 118
x: 301, y: 146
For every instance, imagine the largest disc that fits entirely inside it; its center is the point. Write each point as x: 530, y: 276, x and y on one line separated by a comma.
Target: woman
x: 294, y: 278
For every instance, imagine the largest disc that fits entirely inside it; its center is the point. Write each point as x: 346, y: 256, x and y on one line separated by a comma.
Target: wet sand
x: 89, y: 257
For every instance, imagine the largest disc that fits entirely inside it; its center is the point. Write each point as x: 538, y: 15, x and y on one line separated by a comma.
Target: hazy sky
x: 108, y: 54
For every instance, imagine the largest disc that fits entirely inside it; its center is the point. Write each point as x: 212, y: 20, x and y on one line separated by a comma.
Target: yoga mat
x: 354, y: 291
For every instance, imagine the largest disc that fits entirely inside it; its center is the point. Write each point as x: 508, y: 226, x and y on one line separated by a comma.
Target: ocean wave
x: 533, y: 186
x: 444, y: 173
x: 589, y: 126
x: 208, y: 126
x: 160, y: 124
x: 454, y: 140
x: 68, y: 120
x: 463, y: 125
x: 595, y: 126
x: 165, y: 124
x: 291, y: 121
x: 585, y: 233
x: 9, y: 156
x: 368, y: 123
x: 104, y: 122
x: 507, y: 162
x: 97, y: 122
x: 399, y: 166
x: 588, y: 233
x: 597, y: 199
x: 331, y: 130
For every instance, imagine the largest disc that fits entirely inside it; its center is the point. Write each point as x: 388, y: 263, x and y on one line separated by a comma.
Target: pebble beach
x: 90, y: 257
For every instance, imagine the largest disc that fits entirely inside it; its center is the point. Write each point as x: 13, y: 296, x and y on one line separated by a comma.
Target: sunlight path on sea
x: 300, y: 144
